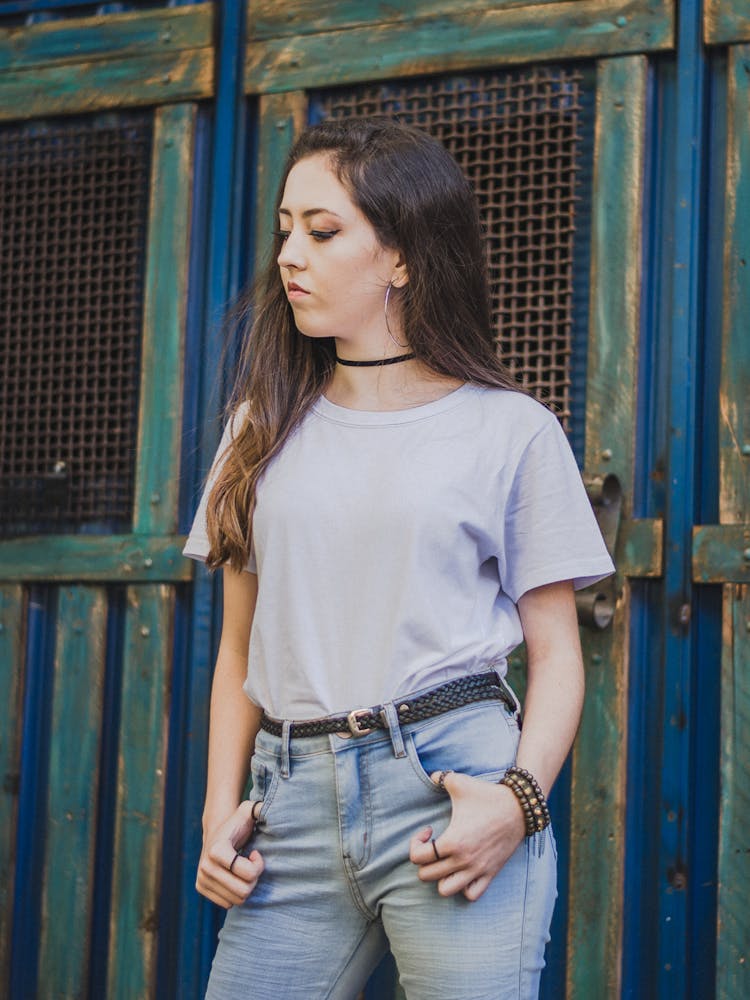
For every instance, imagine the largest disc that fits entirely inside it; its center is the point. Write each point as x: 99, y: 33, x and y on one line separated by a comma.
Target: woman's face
x: 334, y: 270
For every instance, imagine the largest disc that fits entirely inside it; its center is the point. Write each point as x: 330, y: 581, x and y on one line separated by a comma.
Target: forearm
x: 234, y: 723
x: 552, y: 712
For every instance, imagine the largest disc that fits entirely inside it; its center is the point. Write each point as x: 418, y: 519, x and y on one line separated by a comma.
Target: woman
x: 392, y: 517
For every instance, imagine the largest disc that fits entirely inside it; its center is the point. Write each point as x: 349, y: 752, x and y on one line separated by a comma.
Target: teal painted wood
x: 733, y: 923
x: 68, y: 881
x: 280, y: 119
x: 109, y: 37
x: 139, y: 816
x: 12, y: 668
x: 733, y: 944
x: 485, y: 38
x: 721, y: 552
x: 95, y: 558
x: 640, y: 548
x: 726, y: 21
x: 598, y: 791
x: 165, y: 300
x: 734, y: 424
x: 67, y: 88
x: 269, y: 19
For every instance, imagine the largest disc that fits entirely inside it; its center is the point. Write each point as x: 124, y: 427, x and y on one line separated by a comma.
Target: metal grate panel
x: 518, y: 136
x: 73, y: 216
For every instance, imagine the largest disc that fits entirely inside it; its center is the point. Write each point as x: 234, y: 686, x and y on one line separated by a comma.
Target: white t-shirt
x: 391, y: 547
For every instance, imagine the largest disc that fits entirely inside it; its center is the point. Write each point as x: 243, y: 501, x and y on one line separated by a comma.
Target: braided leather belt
x: 361, y: 721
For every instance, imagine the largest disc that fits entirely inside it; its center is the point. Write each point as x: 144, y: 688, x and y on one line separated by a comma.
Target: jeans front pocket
x: 480, y: 739
x: 265, y: 775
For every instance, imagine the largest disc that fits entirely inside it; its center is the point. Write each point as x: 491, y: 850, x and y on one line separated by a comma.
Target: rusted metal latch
x: 596, y: 605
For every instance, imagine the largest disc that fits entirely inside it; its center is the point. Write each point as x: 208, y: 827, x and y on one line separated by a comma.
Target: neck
x: 389, y: 387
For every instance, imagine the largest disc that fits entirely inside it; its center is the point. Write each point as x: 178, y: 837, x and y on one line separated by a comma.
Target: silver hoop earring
x: 385, y: 313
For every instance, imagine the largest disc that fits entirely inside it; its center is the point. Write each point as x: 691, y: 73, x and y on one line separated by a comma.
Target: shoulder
x: 524, y: 415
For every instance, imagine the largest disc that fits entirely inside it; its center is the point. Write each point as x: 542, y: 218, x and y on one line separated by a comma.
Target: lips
x: 294, y: 287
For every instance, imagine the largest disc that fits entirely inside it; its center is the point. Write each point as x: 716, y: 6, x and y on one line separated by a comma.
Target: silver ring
x: 441, y: 780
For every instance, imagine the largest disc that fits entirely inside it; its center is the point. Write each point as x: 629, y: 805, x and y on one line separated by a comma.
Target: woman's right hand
x: 220, y: 847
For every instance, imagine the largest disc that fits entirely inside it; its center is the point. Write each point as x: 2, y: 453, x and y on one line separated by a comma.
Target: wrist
x: 530, y: 798
x: 215, y: 813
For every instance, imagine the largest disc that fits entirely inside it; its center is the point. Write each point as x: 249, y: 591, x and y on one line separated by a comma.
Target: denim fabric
x: 339, y: 887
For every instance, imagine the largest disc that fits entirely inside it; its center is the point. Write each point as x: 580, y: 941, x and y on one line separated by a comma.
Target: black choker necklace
x: 372, y: 364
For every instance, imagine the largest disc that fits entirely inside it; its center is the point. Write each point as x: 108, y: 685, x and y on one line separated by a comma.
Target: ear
x: 400, y: 275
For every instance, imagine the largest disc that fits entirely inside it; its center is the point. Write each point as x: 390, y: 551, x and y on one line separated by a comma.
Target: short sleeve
x: 550, y: 531
x: 197, y: 545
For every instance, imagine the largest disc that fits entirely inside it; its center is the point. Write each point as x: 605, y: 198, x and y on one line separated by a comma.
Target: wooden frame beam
x: 78, y: 65
x: 472, y: 39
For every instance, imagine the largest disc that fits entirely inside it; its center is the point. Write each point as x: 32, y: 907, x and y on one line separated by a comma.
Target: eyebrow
x: 310, y: 212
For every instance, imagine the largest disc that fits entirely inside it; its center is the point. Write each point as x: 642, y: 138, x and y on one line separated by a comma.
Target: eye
x: 281, y: 233
x: 321, y: 235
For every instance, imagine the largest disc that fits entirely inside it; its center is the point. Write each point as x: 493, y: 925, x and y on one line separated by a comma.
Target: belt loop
x: 507, y: 688
x: 285, y: 739
x: 394, y: 728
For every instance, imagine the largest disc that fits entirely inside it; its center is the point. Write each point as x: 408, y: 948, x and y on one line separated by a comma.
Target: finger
x: 455, y: 882
x: 239, y: 882
x: 215, y: 892
x: 476, y: 888
x: 232, y: 891
x: 249, y: 868
x: 418, y: 853
x: 442, y: 779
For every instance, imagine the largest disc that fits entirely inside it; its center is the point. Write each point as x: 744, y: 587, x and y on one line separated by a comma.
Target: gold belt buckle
x: 353, y: 723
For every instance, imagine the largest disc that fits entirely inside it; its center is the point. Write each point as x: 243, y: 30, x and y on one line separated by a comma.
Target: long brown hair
x: 414, y: 195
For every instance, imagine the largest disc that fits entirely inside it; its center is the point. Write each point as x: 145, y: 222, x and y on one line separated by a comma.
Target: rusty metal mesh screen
x: 73, y: 214
x: 518, y: 137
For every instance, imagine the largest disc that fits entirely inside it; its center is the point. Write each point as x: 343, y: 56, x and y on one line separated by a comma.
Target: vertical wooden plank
x: 139, y: 813
x: 165, y: 303
x: 68, y: 881
x: 12, y: 669
x: 733, y: 927
x: 147, y: 657
x: 733, y: 924
x: 599, y: 757
x: 281, y: 117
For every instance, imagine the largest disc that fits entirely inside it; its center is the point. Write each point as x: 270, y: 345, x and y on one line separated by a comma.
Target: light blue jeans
x: 338, y: 886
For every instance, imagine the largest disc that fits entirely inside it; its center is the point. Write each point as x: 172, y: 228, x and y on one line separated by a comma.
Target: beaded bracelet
x: 530, y: 796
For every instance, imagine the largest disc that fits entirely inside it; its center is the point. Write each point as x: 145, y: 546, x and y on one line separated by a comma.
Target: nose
x: 291, y: 253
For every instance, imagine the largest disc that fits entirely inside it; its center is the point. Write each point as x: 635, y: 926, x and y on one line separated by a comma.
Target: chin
x: 313, y: 334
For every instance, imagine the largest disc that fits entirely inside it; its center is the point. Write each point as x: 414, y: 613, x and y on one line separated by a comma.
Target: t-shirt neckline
x: 344, y: 415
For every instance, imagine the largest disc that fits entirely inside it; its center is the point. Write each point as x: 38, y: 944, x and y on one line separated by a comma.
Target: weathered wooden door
x: 97, y: 153
x: 609, y: 144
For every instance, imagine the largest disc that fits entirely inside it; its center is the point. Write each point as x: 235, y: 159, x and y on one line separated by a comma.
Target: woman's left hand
x: 487, y: 825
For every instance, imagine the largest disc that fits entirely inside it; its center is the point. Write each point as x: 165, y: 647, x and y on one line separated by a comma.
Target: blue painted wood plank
x: 683, y: 326
x: 165, y: 301
x: 142, y: 750
x: 12, y: 668
x: 68, y: 881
